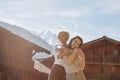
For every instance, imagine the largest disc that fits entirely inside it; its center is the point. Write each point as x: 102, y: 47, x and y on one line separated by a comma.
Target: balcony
x: 109, y: 59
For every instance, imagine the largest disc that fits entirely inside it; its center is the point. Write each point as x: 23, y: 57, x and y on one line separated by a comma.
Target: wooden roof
x: 25, y: 34
x: 102, y: 38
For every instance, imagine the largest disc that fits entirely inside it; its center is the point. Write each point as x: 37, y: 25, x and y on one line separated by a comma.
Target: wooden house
x: 102, y: 59
x: 16, y: 54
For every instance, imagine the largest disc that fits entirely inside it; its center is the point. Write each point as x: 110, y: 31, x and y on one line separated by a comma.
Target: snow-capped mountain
x: 26, y: 35
x: 50, y: 37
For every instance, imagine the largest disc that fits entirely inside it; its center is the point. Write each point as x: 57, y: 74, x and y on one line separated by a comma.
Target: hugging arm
x: 82, y: 56
x: 70, y: 59
x: 62, y: 52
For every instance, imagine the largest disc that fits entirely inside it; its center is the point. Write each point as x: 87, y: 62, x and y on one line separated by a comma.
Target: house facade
x: 102, y: 59
x: 16, y: 57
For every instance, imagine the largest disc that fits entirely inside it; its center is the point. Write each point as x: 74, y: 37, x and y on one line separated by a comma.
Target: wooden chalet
x: 16, y: 57
x: 102, y: 59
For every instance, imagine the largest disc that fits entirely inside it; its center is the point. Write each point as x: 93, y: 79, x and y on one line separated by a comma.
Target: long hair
x: 76, y: 37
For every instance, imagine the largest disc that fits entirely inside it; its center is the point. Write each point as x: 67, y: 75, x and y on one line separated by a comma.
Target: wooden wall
x: 102, y: 60
x: 16, y: 58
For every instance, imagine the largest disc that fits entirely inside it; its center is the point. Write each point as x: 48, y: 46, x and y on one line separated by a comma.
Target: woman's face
x: 75, y: 43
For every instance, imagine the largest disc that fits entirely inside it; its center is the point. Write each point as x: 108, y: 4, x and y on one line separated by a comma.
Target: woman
x: 58, y: 71
x: 75, y: 61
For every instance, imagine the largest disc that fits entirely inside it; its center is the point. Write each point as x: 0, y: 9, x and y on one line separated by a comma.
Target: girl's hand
x: 76, y: 50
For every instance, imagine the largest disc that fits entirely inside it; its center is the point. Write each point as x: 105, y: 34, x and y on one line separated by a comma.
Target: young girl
x: 58, y: 71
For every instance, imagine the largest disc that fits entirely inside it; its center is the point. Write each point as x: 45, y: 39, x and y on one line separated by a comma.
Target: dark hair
x: 76, y: 37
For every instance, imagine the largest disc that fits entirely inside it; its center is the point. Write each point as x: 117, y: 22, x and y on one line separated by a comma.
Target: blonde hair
x: 63, y: 33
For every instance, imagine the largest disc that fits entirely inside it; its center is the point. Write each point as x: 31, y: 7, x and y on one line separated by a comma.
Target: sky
x: 90, y: 19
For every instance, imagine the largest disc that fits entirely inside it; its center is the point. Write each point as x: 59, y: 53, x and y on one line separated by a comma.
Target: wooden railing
x: 103, y: 77
x: 109, y: 59
x: 96, y: 77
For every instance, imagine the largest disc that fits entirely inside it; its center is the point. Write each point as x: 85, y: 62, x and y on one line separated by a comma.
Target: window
x: 115, y: 52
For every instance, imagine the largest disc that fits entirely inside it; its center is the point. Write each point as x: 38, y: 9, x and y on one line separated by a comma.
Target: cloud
x: 78, y: 17
x: 9, y: 21
x: 110, y: 6
x: 63, y: 13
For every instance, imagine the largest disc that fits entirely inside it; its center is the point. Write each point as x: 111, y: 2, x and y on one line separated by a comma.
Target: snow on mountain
x: 50, y: 37
x: 26, y: 35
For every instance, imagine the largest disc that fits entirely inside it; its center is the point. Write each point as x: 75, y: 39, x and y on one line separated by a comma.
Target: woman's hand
x: 76, y: 51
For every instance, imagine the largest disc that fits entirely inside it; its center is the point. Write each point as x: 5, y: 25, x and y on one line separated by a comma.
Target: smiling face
x: 63, y: 37
x: 75, y: 43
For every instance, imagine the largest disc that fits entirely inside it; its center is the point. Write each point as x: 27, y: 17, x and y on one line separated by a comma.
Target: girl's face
x: 62, y: 38
x: 75, y: 43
